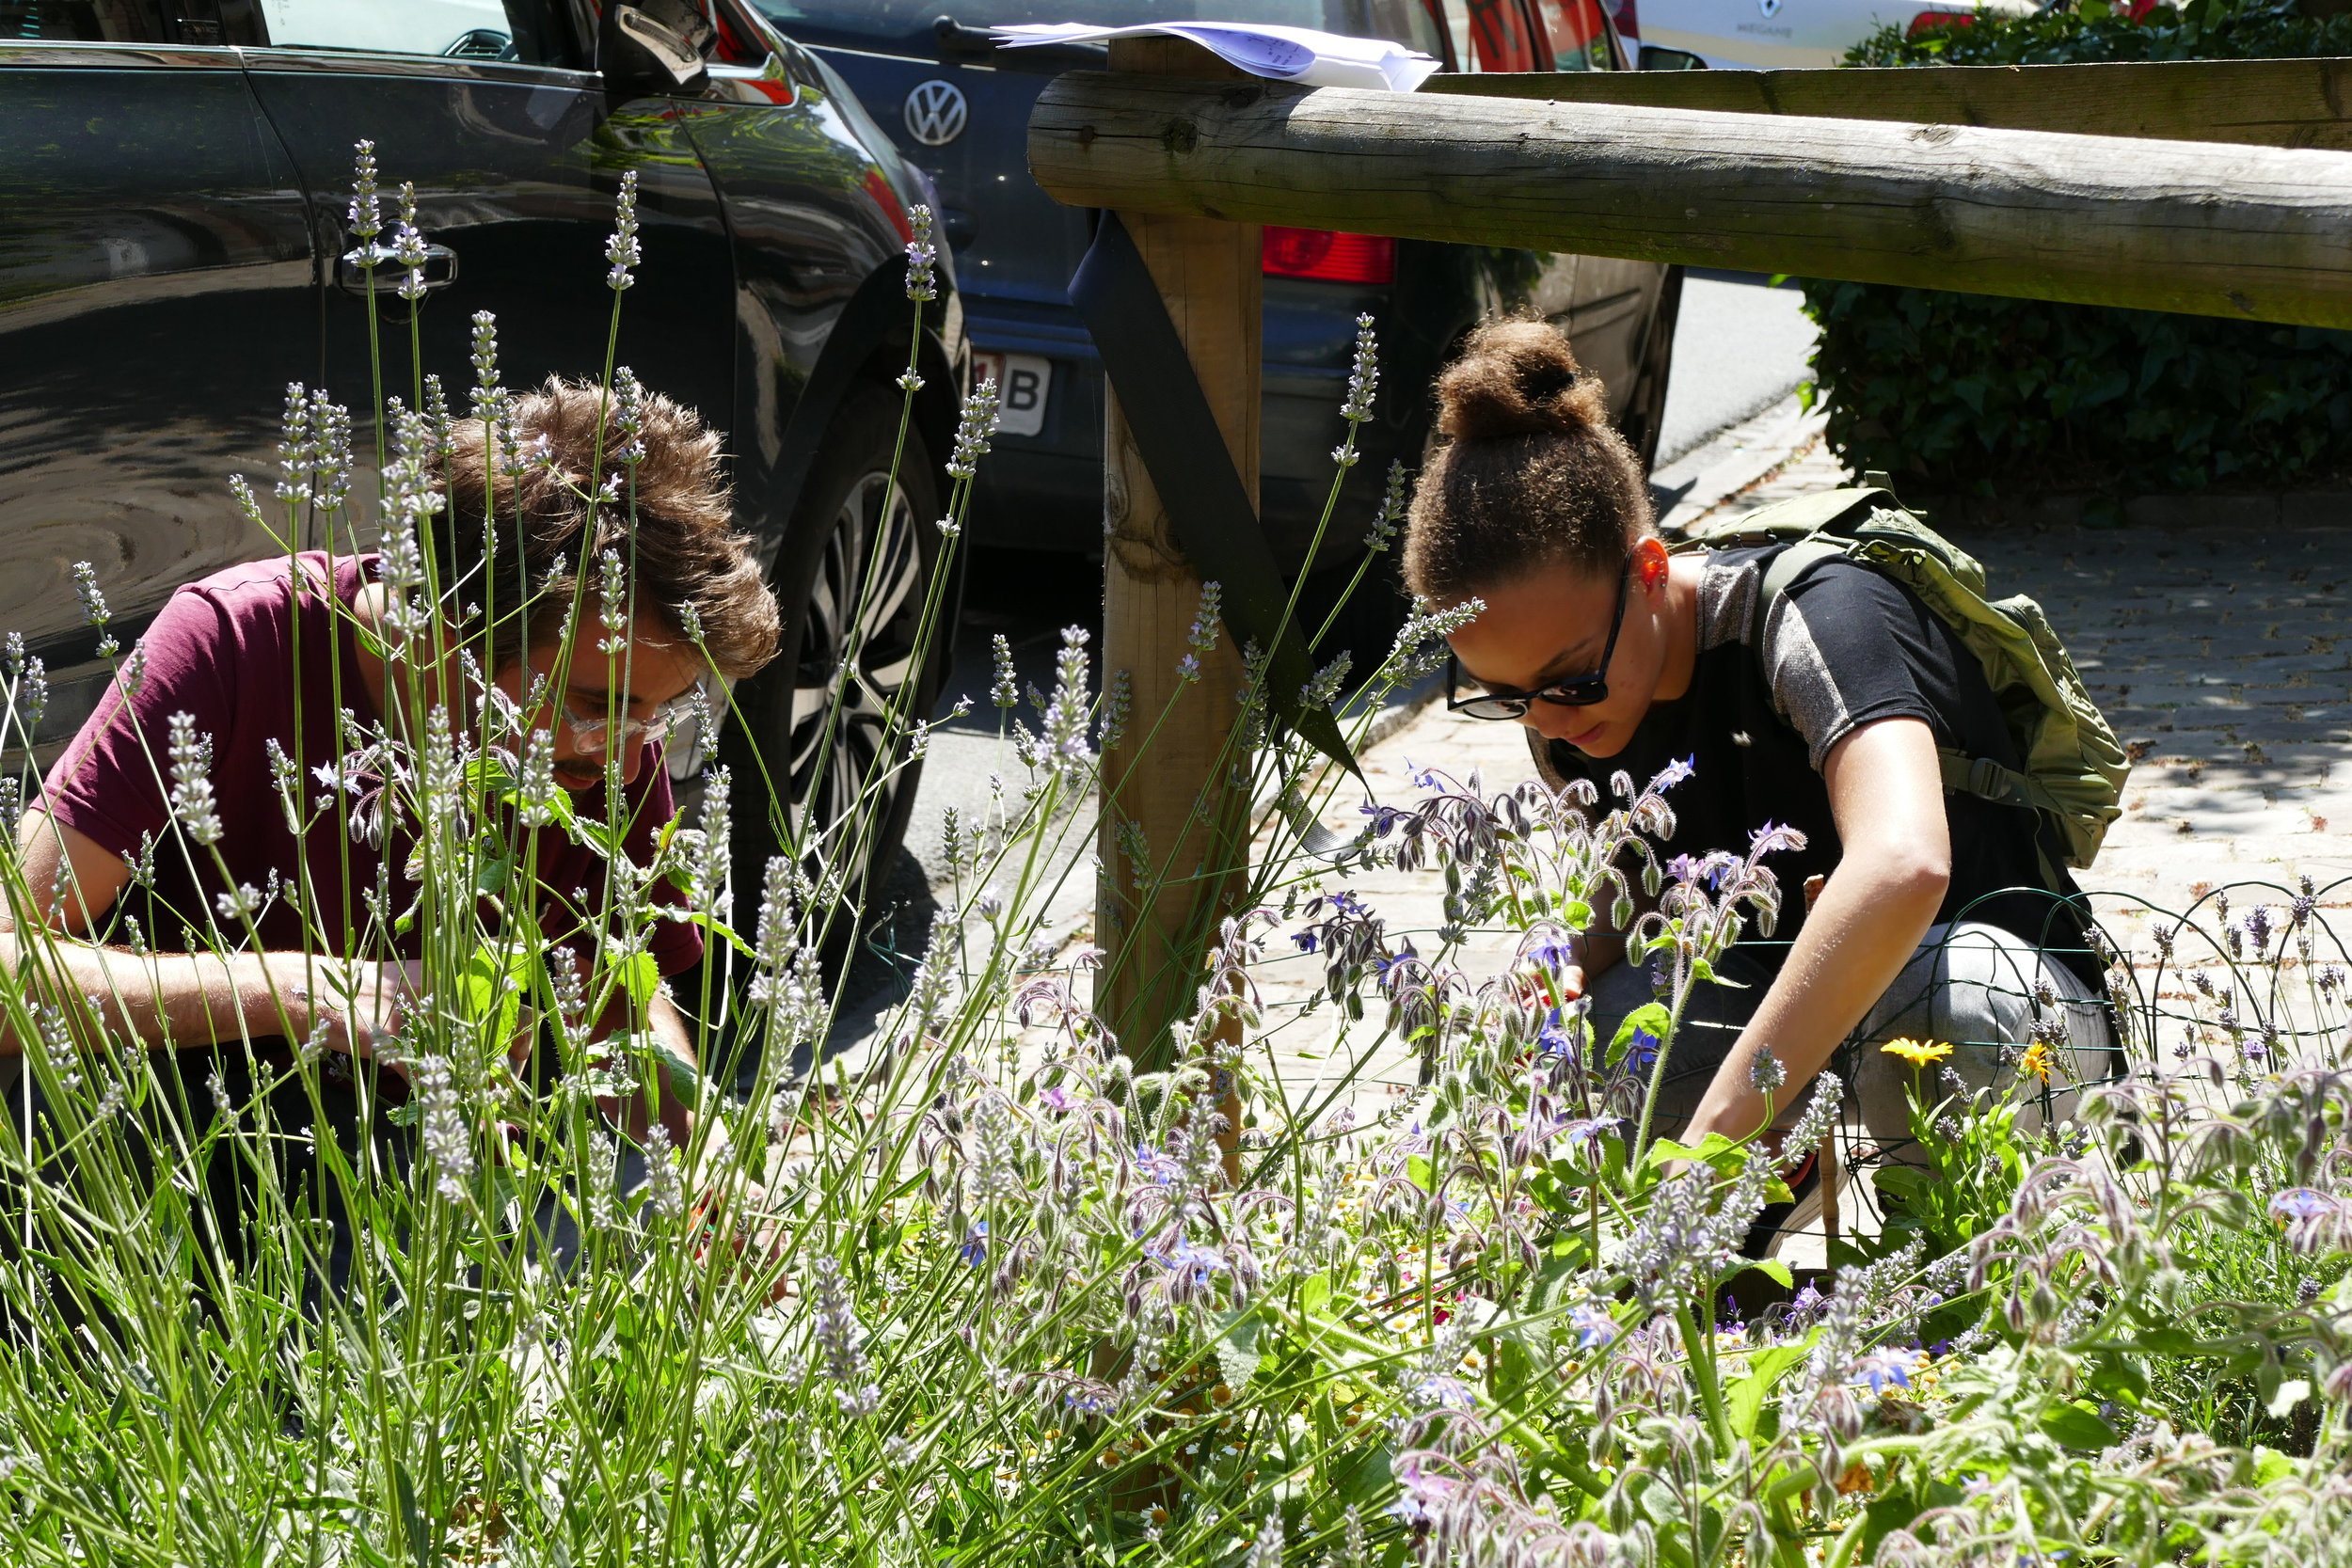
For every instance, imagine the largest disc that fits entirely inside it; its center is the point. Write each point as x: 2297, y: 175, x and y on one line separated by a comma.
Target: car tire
x: 819, y: 577
x: 1645, y: 413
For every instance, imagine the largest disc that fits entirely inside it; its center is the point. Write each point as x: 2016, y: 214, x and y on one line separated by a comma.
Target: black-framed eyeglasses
x: 1576, y: 691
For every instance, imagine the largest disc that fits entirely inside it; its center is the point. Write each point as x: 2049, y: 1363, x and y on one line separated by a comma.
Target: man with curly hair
x: 237, y: 692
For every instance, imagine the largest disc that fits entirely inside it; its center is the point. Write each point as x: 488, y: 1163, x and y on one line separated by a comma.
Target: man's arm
x: 1886, y: 793
x: 176, y: 999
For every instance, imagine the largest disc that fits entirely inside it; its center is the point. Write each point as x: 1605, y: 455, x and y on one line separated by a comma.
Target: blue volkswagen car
x: 959, y: 109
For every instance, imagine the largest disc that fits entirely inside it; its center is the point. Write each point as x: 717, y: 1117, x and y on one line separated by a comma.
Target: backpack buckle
x: 1988, y: 779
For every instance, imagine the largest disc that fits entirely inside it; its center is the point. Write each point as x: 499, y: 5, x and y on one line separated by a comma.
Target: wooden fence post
x: 1176, y: 801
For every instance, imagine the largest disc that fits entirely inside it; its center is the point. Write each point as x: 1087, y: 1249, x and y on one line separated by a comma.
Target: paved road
x: 1739, y: 347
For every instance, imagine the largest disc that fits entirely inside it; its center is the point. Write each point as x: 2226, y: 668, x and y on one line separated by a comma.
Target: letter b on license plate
x: 1023, y: 382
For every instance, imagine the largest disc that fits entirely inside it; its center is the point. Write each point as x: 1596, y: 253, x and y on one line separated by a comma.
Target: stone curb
x: 1733, y: 462
x: 2264, y: 509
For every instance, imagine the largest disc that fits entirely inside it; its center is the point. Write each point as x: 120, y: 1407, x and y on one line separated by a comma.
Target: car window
x: 522, y: 32
x: 1414, y: 23
x: 732, y: 41
x: 182, y: 22
x: 1580, y: 39
x: 1400, y: 20
x: 1494, y: 34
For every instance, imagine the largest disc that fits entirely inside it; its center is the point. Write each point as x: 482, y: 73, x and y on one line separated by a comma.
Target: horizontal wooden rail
x: 2263, y: 103
x: 2250, y: 233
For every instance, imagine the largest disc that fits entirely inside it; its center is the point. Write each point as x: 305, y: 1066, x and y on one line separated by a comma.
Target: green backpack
x: 2074, y: 766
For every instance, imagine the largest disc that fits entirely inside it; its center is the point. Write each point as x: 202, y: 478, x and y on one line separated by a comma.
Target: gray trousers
x: 1973, y: 985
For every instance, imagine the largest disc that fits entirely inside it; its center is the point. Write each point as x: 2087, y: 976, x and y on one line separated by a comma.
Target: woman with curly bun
x: 1618, y: 653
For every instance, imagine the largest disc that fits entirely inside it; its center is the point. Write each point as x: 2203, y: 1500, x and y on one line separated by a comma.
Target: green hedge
x: 1984, y: 395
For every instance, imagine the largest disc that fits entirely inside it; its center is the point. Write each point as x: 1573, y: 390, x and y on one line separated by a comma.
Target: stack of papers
x: 1261, y: 48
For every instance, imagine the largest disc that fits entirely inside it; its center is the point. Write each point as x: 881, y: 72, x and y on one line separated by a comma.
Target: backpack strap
x: 1989, y: 781
x: 1783, y: 570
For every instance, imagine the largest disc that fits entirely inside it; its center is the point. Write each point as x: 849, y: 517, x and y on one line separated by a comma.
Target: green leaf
x: 1236, y: 1346
x: 2178, y: 1342
x: 684, y: 1080
x: 1557, y: 1272
x: 1714, y: 1149
x: 2077, y: 1426
x: 491, y: 874
x: 1906, y: 1182
x: 1770, y: 1268
x: 2271, y: 1467
x: 641, y: 977
x: 1743, y: 1401
x: 492, y: 994
x: 2118, y: 1378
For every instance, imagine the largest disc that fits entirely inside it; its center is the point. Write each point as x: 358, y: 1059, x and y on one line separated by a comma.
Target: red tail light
x: 1329, y: 258
x: 1925, y: 20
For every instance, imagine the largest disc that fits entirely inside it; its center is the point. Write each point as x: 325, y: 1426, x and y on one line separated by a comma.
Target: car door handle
x: 386, y: 277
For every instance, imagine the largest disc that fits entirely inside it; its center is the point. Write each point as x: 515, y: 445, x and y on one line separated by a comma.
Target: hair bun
x: 1517, y: 378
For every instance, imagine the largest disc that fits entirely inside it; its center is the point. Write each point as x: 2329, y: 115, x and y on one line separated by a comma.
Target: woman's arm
x: 1886, y: 794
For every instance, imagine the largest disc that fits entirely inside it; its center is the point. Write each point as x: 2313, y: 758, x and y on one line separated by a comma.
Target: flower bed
x: 1010, y: 1298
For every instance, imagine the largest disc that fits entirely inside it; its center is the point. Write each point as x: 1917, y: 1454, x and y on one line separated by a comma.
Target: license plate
x: 1023, y: 382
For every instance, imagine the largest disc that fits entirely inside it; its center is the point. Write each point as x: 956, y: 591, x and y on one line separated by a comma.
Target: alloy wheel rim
x: 832, y: 751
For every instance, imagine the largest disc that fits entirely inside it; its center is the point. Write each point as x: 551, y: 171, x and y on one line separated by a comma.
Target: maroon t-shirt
x: 223, y: 650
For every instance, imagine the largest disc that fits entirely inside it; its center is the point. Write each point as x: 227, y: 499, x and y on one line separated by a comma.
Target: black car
x: 174, y: 179
x: 960, y: 108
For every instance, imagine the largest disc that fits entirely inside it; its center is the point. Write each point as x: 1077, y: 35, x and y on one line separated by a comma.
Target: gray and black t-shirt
x: 1845, y: 645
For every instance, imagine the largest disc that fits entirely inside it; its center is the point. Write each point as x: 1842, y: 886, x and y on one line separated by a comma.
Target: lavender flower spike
x: 844, y: 1344
x: 409, y: 246
x: 1363, y: 379
x: 922, y: 257
x: 192, y: 801
x: 442, y: 1128
x: 367, y: 219
x: 623, y: 250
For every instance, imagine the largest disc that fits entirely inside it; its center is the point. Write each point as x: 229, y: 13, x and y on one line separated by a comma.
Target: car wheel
x: 854, y: 570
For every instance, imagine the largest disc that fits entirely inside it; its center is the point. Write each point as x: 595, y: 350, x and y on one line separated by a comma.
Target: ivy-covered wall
x: 1972, y: 394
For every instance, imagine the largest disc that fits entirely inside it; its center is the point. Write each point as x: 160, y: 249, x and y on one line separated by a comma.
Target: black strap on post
x: 1185, y: 452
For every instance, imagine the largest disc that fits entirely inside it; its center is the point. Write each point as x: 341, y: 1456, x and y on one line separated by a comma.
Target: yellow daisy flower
x: 2038, y: 1059
x: 1918, y: 1053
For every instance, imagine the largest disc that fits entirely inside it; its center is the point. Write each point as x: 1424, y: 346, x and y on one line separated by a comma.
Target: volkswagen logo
x: 1770, y: 7
x: 936, y: 113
